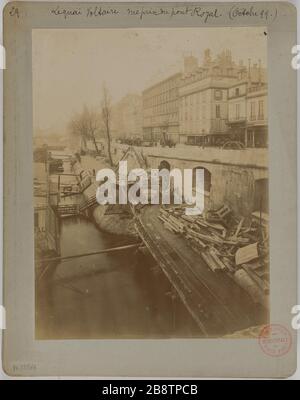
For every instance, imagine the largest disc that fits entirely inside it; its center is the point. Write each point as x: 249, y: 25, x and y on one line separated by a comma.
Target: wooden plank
x: 209, y: 261
x: 217, y: 260
x: 110, y: 250
x: 239, y: 227
x: 246, y: 254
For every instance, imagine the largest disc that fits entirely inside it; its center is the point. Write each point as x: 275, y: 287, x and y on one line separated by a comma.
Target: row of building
x: 208, y: 104
x: 127, y: 117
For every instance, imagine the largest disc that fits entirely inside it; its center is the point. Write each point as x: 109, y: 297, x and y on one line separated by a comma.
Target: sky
x: 71, y: 65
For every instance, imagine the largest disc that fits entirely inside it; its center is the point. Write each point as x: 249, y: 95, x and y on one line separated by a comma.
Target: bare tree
x: 93, y: 123
x: 106, y: 119
x: 85, y: 125
x: 77, y: 127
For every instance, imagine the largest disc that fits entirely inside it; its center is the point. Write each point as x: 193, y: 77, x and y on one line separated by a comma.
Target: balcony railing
x: 259, y: 117
x: 257, y: 88
x: 236, y: 119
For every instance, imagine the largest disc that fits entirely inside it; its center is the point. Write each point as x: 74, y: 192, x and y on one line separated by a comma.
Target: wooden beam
x: 111, y: 250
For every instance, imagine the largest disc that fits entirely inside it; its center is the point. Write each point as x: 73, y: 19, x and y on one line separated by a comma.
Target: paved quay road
x: 216, y: 302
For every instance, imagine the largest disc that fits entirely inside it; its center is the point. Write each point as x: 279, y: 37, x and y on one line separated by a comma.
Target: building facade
x: 217, y: 103
x: 204, y: 98
x: 257, y: 116
x: 127, y: 117
x: 161, y: 110
x: 248, y: 109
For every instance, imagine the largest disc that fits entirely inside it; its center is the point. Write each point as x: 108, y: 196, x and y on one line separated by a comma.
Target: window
x: 237, y: 91
x: 218, y: 94
x: 36, y: 220
x: 237, y: 111
x: 218, y: 111
x: 252, y: 110
x: 261, y: 109
x: 164, y: 165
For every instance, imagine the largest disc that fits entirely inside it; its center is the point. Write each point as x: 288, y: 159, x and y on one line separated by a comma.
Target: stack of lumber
x: 224, y: 242
x: 171, y: 222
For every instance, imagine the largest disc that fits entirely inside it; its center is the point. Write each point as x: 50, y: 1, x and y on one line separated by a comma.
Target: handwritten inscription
x: 18, y: 367
x: 14, y: 12
x: 101, y: 12
x: 206, y: 14
x: 141, y: 12
x: 66, y: 12
x: 89, y: 12
x: 249, y: 12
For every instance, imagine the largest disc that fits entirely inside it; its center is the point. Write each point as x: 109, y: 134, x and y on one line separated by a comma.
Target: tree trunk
x: 83, y: 143
x: 95, y: 144
x: 106, y: 113
x: 108, y: 143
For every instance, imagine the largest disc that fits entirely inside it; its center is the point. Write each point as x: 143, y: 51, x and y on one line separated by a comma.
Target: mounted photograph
x: 150, y: 190
x: 165, y: 101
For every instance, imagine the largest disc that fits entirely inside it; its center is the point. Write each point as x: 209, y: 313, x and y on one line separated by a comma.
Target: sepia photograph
x: 118, y: 253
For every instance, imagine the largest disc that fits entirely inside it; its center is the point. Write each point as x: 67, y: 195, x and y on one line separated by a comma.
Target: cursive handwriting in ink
x: 66, y: 12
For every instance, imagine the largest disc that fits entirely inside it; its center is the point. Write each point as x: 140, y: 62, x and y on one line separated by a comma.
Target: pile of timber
x: 90, y: 201
x: 238, y: 246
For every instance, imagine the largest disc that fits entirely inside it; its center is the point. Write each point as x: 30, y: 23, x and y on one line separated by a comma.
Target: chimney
x: 207, y: 57
x: 228, y: 56
x: 190, y: 64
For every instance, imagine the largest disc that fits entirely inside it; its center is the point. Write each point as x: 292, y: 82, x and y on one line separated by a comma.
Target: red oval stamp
x: 275, y: 340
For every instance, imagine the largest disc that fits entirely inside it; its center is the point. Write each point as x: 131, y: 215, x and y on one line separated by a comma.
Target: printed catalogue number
x: 131, y: 391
